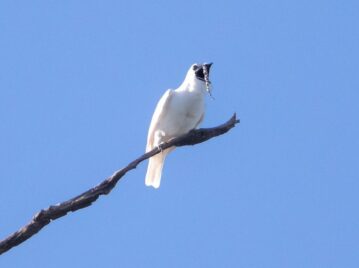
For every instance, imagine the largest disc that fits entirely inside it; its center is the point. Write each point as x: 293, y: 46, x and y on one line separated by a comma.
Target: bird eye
x: 195, y: 67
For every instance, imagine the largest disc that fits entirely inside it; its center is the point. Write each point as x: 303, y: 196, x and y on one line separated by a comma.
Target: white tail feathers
x: 154, y: 170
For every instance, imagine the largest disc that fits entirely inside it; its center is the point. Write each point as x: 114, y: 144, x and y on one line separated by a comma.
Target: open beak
x: 208, y: 66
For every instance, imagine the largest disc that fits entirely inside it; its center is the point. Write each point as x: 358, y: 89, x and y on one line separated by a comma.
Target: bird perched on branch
x: 177, y: 112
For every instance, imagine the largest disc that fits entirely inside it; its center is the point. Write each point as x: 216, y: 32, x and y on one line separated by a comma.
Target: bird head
x: 198, y: 75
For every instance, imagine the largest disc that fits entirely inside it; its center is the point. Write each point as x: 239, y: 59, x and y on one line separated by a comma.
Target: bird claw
x: 159, y: 147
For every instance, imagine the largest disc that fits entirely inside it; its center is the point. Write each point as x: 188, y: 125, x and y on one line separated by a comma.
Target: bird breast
x: 185, y: 112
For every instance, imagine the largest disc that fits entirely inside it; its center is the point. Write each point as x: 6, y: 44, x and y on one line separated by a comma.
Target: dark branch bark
x: 45, y: 216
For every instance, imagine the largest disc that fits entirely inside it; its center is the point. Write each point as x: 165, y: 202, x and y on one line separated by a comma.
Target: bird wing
x: 159, y: 113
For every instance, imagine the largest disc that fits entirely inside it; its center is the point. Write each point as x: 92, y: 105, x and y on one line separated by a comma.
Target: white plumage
x: 177, y: 112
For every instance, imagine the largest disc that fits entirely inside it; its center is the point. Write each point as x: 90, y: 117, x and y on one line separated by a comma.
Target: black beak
x: 203, y: 68
x: 208, y: 66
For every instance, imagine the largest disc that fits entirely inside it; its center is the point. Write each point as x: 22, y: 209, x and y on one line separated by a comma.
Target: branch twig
x: 45, y: 216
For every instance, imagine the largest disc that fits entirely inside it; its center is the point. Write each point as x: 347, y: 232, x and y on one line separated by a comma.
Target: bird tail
x: 154, y: 170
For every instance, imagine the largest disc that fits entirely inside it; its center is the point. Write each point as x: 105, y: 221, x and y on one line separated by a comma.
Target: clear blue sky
x: 79, y: 81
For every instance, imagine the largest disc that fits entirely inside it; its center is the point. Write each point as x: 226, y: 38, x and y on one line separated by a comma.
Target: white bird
x: 177, y: 112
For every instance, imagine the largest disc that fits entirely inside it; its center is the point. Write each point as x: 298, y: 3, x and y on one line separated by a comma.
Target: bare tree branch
x: 45, y: 216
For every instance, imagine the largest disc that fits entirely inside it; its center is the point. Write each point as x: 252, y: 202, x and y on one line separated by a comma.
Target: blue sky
x: 79, y: 81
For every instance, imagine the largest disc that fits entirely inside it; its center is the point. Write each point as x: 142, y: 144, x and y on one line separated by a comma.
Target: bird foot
x: 159, y: 147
